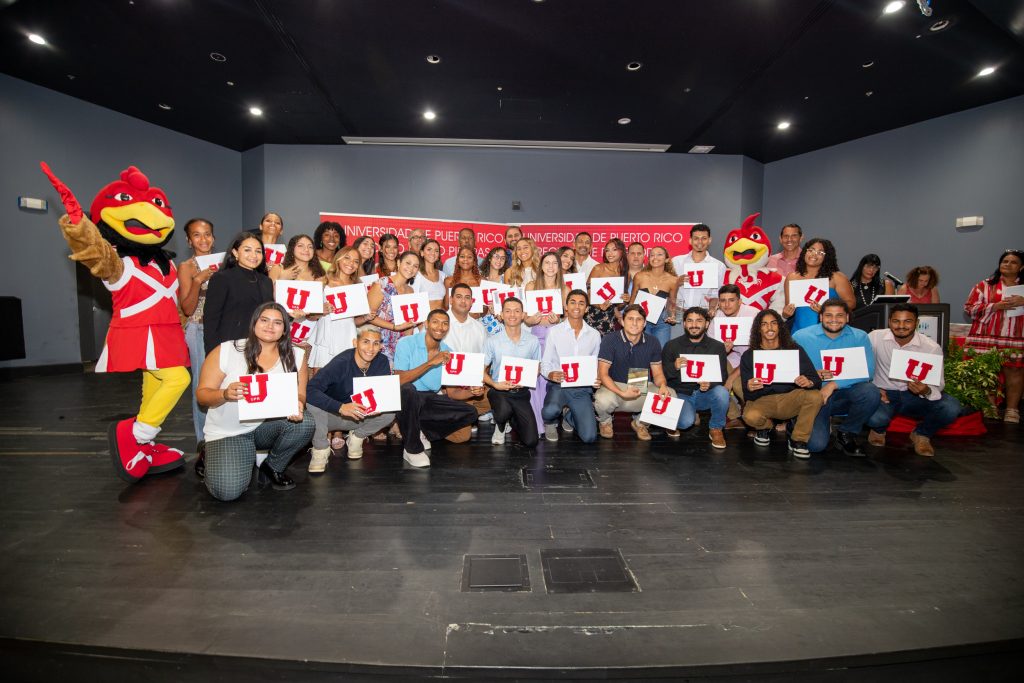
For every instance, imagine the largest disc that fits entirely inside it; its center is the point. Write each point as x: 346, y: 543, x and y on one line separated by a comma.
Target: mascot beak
x: 744, y: 251
x: 140, y: 222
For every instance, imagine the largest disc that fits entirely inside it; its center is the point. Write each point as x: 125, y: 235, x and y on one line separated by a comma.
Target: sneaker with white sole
x: 486, y: 417
x: 425, y: 441
x: 416, y: 459
x: 498, y: 437
x: 551, y: 432
x: 566, y: 427
x: 318, y: 461
x: 355, y: 446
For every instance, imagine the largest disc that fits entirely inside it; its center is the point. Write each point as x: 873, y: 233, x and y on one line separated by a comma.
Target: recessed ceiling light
x: 500, y: 88
x: 869, y: 93
x: 806, y: 97
x: 634, y: 66
x: 434, y: 59
x: 231, y: 82
x: 37, y: 39
x: 165, y: 107
x: 429, y: 115
x: 218, y: 57
x: 894, y: 6
x: 255, y: 111
x: 939, y: 25
x: 686, y: 89
x: 71, y: 77
x: 868, y: 64
x: 987, y: 71
x: 782, y: 125
x: 701, y: 149
x: 625, y: 121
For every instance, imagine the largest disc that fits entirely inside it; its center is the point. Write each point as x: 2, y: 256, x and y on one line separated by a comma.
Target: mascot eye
x: 159, y: 202
x: 732, y: 239
x: 123, y: 197
x: 755, y: 236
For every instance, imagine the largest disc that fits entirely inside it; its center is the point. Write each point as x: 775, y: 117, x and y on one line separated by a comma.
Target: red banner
x: 549, y: 236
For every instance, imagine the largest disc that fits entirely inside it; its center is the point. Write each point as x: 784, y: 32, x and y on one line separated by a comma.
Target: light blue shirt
x: 411, y: 353
x: 498, y: 346
x: 814, y: 340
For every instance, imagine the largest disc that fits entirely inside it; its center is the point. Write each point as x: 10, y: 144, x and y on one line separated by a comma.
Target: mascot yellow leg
x: 161, y: 390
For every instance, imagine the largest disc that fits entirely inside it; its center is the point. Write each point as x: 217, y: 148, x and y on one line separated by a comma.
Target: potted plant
x: 973, y: 377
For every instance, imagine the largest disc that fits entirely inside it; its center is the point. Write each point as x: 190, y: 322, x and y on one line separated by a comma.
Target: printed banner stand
x: 578, y: 371
x: 699, y: 367
x: 300, y: 295
x: 410, y: 308
x: 661, y: 411
x: 269, y: 396
x: 805, y: 292
x: 652, y: 305
x: 915, y: 366
x: 463, y: 370
x: 851, y: 363
x: 735, y: 330
x: 519, y: 371
x: 346, y: 301
x: 782, y: 367
x: 605, y: 290
x: 211, y: 261
x: 377, y: 394
x: 542, y: 302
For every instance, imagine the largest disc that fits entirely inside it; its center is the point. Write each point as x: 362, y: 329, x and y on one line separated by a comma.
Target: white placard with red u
x: 301, y: 331
x: 368, y: 280
x: 700, y: 367
x: 701, y: 276
x: 300, y: 295
x: 851, y: 363
x: 477, y: 305
x: 578, y: 371
x: 735, y: 330
x: 605, y: 290
x: 777, y: 367
x: 211, y: 261
x: 806, y: 292
x: 463, y: 370
x: 381, y: 394
x: 575, y: 281
x: 346, y: 301
x: 542, y: 302
x: 915, y: 366
x: 269, y: 396
x: 652, y: 305
x: 410, y: 308
x: 519, y: 371
x: 273, y: 254
x: 662, y: 411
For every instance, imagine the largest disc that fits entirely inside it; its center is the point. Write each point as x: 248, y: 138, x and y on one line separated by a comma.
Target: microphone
x: 892, y: 277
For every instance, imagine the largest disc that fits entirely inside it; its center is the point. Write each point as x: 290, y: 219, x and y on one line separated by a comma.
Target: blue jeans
x: 661, y: 331
x: 857, y: 402
x: 581, y: 409
x: 933, y: 415
x: 194, y: 341
x: 715, y: 399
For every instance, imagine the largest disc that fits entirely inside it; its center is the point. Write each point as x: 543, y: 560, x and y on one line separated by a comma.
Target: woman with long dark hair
x: 382, y: 313
x: 817, y: 260
x: 658, y: 278
x: 367, y: 249
x: 235, y: 291
x: 430, y: 278
x: 602, y: 316
x: 867, y: 281
x: 231, y: 444
x: 300, y: 261
x: 387, y: 260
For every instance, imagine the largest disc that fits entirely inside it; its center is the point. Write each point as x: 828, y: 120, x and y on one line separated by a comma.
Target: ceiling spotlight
x: 701, y: 149
x: 806, y: 97
x: 987, y: 71
x: 867, y: 65
x: 37, y: 39
x: 500, y: 88
x: 218, y: 57
x: 782, y: 125
x: 869, y: 93
x: 255, y: 111
x: 625, y: 121
x: 894, y: 6
x: 165, y: 107
x: 634, y: 66
x: 434, y: 59
x: 429, y: 115
x: 231, y: 82
x: 939, y: 25
x: 686, y: 89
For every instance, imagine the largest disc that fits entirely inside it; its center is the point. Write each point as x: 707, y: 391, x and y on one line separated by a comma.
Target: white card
x: 368, y: 280
x: 781, y: 367
x: 606, y: 289
x: 662, y: 411
x: 410, y: 308
x: 915, y: 366
x: 211, y: 261
x: 700, y: 367
x: 520, y: 371
x: 701, y: 276
x: 575, y: 281
x: 1014, y: 290
x: 273, y: 254
x: 543, y: 302
x: 579, y: 371
x: 487, y: 289
x: 463, y: 370
x: 270, y: 396
x: 803, y: 292
x: 478, y: 300
x: 652, y: 305
x: 851, y: 363
x: 301, y: 330
x: 382, y: 394
x: 300, y: 295
x: 735, y: 330
x: 346, y: 301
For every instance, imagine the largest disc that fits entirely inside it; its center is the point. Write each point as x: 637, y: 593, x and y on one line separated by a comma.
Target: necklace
x: 861, y: 288
x: 362, y: 370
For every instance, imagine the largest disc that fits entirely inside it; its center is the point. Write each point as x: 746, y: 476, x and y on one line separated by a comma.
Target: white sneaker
x: 318, y: 463
x: 486, y: 417
x: 473, y: 430
x: 551, y: 432
x: 508, y: 428
x: 498, y: 437
x: 425, y: 441
x: 566, y: 427
x: 355, y: 446
x: 417, y: 459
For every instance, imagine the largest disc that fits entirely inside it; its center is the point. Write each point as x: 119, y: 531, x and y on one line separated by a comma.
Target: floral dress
x: 388, y: 338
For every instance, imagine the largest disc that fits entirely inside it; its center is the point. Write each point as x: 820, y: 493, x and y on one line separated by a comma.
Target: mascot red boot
x: 122, y: 245
x: 746, y: 254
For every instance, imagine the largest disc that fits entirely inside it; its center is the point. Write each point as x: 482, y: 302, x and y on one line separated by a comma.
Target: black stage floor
x: 748, y: 565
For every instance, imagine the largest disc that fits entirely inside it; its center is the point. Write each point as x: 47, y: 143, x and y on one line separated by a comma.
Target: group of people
x: 232, y: 322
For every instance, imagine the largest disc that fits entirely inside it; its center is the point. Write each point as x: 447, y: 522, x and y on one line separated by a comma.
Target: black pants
x: 514, y: 406
x: 435, y: 415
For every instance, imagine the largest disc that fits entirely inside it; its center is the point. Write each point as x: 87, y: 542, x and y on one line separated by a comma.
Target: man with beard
x: 584, y: 261
x: 697, y: 395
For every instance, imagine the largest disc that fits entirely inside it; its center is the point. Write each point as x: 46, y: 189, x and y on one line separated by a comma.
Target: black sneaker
x: 762, y: 437
x: 799, y: 449
x: 200, y: 466
x: 847, y: 443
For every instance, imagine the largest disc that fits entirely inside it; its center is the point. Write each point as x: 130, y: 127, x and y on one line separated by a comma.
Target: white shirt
x: 883, y: 343
x: 467, y: 337
x: 586, y: 267
x: 435, y: 290
x: 562, y: 341
x: 686, y: 297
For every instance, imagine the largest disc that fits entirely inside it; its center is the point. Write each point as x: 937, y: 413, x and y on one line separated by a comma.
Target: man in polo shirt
x: 857, y: 399
x: 426, y: 414
x: 466, y: 334
x: 730, y: 305
x: 584, y: 261
x: 697, y: 396
x: 784, y: 262
x: 707, y: 294
x: 930, y: 405
x: 510, y: 403
x: 571, y: 337
x: 628, y: 354
x: 329, y: 397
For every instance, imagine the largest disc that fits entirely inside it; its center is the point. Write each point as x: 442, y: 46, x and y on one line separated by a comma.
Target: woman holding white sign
x: 238, y: 372
x: 817, y: 262
x: 659, y: 279
x: 430, y: 278
x: 602, y: 316
x: 300, y: 264
x: 549, y: 279
x: 382, y: 313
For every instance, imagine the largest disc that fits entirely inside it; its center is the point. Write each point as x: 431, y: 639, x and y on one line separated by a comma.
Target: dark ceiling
x: 716, y: 72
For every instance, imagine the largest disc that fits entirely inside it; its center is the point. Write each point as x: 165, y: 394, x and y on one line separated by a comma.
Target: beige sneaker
x: 641, y: 430
x: 922, y: 444
x: 717, y: 438
x: 605, y: 429
x: 318, y: 463
x: 876, y: 438
x: 355, y: 446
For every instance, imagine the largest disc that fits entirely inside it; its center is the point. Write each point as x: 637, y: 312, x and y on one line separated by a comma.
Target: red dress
x: 145, y: 330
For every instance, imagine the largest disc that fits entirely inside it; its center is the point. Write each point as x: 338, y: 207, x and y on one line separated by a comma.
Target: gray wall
x: 898, y: 194
x: 88, y: 146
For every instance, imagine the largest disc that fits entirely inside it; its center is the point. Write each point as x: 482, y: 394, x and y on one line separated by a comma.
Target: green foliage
x: 972, y: 377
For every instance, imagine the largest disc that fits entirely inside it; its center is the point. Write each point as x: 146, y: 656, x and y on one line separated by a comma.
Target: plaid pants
x: 229, y: 461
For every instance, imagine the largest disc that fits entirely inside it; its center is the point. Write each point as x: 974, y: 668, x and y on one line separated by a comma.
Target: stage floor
x: 744, y: 560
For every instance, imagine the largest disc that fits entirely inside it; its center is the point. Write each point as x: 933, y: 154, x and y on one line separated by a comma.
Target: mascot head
x: 747, y: 248
x: 135, y: 217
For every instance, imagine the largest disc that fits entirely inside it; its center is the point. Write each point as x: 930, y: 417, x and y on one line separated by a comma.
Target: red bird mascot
x: 746, y: 253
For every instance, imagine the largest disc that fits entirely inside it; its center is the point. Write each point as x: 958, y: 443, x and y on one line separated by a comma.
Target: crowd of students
x: 232, y: 322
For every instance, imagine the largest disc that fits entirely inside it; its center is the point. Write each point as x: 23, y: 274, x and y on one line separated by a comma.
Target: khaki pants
x: 803, y: 404
x: 606, y: 403
x: 482, y: 406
